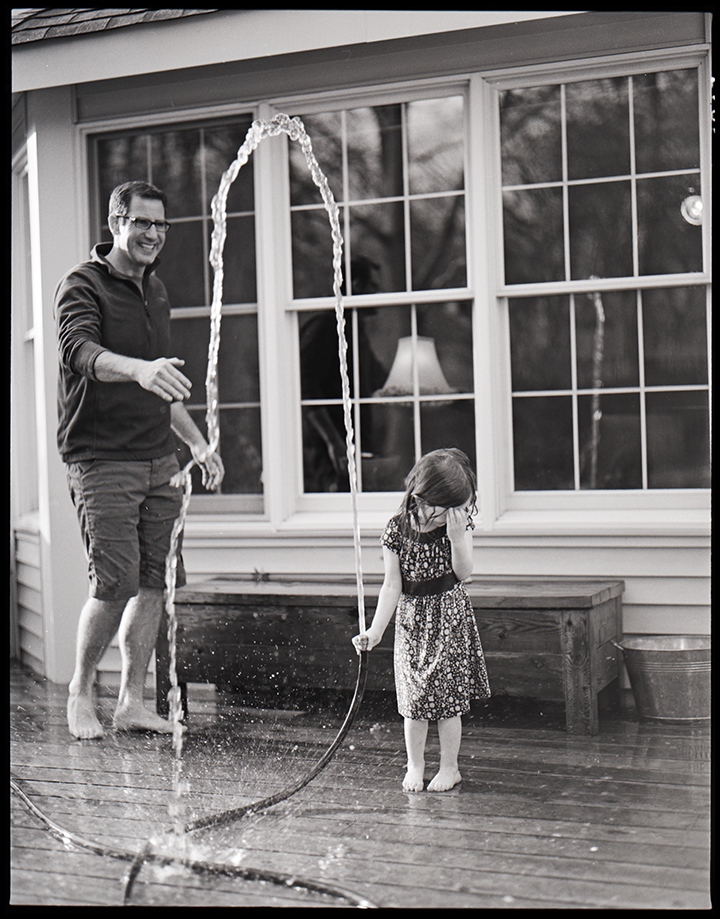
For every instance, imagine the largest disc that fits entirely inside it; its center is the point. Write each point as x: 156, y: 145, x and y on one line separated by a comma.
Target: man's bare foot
x: 81, y: 717
x: 445, y: 780
x: 139, y: 718
x: 413, y: 780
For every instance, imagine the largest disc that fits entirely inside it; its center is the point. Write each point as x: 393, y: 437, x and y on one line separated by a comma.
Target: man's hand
x: 211, y: 467
x: 163, y: 378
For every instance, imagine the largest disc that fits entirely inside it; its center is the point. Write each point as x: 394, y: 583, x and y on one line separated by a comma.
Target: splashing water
x: 295, y: 130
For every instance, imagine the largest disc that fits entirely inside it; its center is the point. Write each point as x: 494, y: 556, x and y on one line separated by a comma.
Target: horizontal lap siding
x: 28, y: 600
x: 667, y: 588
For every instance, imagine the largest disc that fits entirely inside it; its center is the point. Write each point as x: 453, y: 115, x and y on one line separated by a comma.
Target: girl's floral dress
x: 438, y: 657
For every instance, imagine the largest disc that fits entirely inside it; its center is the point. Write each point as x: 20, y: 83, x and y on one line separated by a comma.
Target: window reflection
x: 530, y: 120
x: 665, y: 107
x: 397, y: 172
x: 667, y: 242
x: 543, y: 443
x: 399, y: 381
x: 435, y: 129
x: 613, y: 129
x: 606, y: 340
x: 675, y: 336
x: 678, y: 440
x: 598, y: 130
x: 533, y: 235
x: 600, y: 230
x: 540, y: 343
x: 187, y: 161
x: 609, y: 441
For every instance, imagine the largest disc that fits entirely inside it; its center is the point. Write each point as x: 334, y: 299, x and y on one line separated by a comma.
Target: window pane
x: 239, y: 261
x: 392, y: 446
x: 448, y: 424
x: 598, y: 139
x: 665, y: 108
x: 120, y: 159
x: 540, y: 343
x: 435, y: 144
x: 667, y: 242
x: 379, y: 331
x: 543, y: 443
x: 678, y: 440
x: 675, y: 333
x: 533, y: 232
x: 606, y: 340
x: 324, y: 449
x: 240, y: 447
x: 375, y: 164
x: 437, y: 233
x: 238, y: 377
x: 183, y: 264
x: 530, y: 139
x: 609, y: 437
x: 319, y: 359
x: 377, y: 233
x: 385, y: 466
x: 186, y: 162
x: 325, y: 133
x: 312, y: 254
x: 600, y: 230
x: 220, y: 147
x: 177, y: 165
x: 241, y: 450
x: 450, y: 326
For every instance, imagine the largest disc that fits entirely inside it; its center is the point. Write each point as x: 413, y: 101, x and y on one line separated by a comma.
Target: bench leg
x: 581, y: 703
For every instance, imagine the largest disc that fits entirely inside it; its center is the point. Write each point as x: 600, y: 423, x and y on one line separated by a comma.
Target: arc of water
x: 295, y: 130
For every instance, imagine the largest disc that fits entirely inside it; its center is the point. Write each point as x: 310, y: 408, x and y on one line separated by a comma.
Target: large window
x: 526, y: 276
x: 397, y: 171
x: 187, y: 161
x: 603, y: 223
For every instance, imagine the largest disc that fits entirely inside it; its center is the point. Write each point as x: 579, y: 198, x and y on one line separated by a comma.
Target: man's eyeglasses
x: 143, y: 223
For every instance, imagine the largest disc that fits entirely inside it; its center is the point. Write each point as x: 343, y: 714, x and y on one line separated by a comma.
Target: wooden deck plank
x: 542, y: 819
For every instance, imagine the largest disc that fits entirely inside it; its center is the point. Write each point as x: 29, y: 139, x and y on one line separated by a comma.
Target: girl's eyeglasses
x: 144, y: 223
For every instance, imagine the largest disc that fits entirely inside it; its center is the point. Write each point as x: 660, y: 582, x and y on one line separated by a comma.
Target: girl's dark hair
x: 442, y: 478
x: 122, y: 195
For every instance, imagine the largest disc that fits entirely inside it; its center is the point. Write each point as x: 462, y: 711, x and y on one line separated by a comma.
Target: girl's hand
x: 456, y: 522
x: 366, y: 641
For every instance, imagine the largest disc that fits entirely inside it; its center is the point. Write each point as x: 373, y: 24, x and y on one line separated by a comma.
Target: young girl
x: 439, y: 662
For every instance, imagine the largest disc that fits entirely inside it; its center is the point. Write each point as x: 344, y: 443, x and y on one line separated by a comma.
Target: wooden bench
x: 543, y: 639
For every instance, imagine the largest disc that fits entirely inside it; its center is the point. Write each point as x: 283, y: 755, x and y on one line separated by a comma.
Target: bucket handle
x: 620, y: 647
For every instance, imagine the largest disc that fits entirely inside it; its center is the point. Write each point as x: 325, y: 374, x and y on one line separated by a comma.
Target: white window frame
x: 325, y: 511
x: 288, y: 512
x: 654, y: 509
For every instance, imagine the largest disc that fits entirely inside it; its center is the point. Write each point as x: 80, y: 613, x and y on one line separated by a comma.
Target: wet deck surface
x: 542, y: 819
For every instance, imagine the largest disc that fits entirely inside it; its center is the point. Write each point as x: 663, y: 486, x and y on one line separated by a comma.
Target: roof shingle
x: 34, y: 24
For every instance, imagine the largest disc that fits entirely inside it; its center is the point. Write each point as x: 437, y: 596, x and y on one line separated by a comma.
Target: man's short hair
x: 123, y: 194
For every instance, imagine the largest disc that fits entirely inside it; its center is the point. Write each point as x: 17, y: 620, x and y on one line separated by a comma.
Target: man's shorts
x: 126, y: 510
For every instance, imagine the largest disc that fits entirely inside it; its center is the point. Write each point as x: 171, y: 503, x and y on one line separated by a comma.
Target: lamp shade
x: 430, y: 377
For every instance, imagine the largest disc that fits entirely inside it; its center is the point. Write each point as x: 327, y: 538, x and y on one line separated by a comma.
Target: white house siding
x: 28, y: 613
x: 667, y: 582
x: 666, y: 571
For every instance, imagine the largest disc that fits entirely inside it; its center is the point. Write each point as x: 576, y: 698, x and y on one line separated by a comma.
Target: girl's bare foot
x: 81, y: 717
x: 139, y: 718
x: 445, y: 780
x: 413, y: 780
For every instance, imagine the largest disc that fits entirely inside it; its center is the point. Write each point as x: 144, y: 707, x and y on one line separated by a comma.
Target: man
x: 119, y: 400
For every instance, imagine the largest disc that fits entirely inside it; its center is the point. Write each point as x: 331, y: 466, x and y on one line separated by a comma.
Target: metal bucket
x: 670, y: 676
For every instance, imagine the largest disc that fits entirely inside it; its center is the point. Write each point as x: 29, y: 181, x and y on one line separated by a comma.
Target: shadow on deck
x: 542, y: 819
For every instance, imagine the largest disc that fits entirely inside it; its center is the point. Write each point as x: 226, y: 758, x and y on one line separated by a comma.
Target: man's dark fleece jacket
x: 98, y: 309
